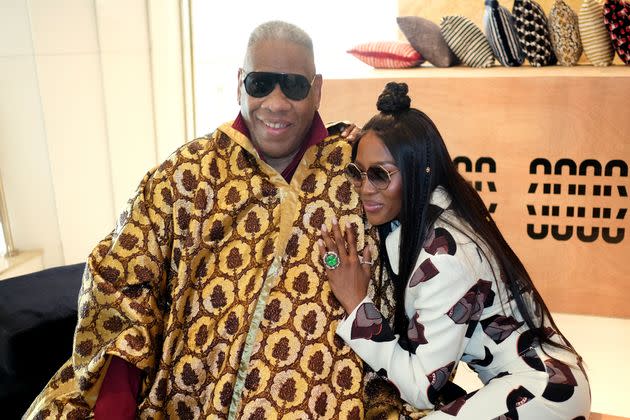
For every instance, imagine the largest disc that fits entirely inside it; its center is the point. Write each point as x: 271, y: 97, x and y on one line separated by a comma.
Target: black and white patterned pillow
x: 532, y: 29
x: 467, y: 41
x: 498, y: 24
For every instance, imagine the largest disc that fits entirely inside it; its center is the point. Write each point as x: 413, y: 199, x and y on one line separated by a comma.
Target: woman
x: 461, y: 292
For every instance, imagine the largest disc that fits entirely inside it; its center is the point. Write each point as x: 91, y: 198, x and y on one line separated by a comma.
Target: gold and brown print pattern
x: 174, y: 288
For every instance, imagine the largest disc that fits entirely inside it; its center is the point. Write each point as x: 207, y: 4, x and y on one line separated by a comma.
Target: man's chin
x: 276, y: 149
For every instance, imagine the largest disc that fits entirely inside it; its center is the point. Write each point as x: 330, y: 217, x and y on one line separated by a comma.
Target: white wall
x: 91, y: 98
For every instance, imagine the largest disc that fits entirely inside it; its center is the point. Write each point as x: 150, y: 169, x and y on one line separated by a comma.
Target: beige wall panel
x: 24, y: 167
x: 69, y: 75
x: 515, y: 116
x: 72, y: 102
x: 126, y: 70
x: 166, y: 76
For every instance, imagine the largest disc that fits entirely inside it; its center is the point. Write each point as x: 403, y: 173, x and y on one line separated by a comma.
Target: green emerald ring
x: 331, y: 260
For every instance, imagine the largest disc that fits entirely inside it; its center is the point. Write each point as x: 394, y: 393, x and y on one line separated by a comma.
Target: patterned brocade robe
x: 211, y: 284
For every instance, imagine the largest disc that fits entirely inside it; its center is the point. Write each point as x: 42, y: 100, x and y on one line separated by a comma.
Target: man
x: 209, y: 297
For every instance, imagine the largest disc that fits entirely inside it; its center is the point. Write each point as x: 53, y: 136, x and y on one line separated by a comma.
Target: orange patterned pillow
x: 387, y: 54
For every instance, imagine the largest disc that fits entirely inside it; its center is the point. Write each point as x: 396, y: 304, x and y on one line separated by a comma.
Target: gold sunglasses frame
x: 364, y: 176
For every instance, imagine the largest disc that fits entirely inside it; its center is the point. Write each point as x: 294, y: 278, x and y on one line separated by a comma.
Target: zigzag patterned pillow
x: 498, y: 24
x: 467, y: 41
x: 617, y: 19
x: 387, y: 54
x: 426, y: 38
x: 594, y: 34
x: 531, y: 27
x: 565, y: 34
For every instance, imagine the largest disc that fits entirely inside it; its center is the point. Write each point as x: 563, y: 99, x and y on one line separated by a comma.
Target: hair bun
x: 394, y: 98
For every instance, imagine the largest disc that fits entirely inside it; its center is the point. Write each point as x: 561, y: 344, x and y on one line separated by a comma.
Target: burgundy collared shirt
x: 315, y: 134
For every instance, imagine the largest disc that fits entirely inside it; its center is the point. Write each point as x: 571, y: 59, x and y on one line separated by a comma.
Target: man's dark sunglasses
x: 261, y: 83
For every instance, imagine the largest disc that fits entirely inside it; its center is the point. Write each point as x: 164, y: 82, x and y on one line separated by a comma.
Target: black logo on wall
x: 612, y: 173
x: 480, y: 164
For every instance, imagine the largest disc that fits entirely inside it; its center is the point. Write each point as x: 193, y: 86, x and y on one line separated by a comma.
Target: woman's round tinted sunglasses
x: 261, y: 83
x: 378, y: 176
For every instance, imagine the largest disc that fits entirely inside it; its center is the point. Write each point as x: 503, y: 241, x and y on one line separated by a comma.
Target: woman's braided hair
x: 394, y: 98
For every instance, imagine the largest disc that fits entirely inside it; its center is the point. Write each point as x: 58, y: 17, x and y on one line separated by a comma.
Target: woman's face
x: 381, y: 206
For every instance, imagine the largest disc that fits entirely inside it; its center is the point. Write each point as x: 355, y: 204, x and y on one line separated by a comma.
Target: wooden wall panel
x: 598, y: 416
x: 512, y: 117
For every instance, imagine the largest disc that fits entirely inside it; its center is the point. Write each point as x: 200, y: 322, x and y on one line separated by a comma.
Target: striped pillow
x: 426, y: 38
x: 387, y: 54
x: 467, y: 41
x: 531, y: 27
x: 594, y: 34
x: 617, y: 19
x: 565, y: 34
x: 498, y: 25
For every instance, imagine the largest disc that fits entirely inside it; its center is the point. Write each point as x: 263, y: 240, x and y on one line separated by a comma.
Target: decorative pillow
x: 531, y: 27
x: 387, y: 54
x: 498, y: 24
x: 565, y: 34
x: 594, y: 34
x: 426, y: 38
x: 467, y: 41
x: 617, y: 19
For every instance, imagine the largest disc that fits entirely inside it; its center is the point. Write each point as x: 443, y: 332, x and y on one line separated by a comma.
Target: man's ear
x: 317, y: 89
x: 238, y: 85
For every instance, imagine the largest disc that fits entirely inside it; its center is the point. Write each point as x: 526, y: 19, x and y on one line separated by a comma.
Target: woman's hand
x: 351, y: 133
x: 349, y: 280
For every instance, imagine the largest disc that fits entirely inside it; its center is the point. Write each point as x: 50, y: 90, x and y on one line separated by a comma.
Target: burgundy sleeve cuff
x: 119, y: 391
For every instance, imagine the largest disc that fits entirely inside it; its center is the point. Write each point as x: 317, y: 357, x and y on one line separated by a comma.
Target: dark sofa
x: 38, y: 314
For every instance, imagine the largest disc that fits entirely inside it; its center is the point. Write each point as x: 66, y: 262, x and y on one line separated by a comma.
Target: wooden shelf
x: 428, y: 71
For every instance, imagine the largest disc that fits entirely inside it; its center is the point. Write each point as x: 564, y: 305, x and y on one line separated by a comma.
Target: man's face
x: 276, y: 123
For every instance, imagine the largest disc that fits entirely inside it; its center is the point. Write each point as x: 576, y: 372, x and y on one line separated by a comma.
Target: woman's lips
x: 371, y: 206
